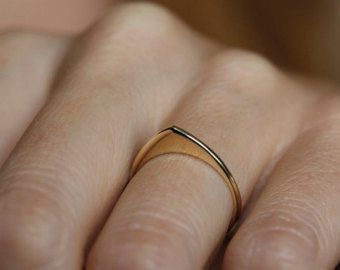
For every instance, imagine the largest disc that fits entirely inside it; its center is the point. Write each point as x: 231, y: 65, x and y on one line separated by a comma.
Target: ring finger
x: 176, y: 210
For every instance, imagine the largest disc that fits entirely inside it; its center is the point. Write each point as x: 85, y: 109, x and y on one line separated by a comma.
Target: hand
x: 63, y: 200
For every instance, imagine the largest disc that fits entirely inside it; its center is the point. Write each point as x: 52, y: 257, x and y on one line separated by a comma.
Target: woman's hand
x: 62, y: 199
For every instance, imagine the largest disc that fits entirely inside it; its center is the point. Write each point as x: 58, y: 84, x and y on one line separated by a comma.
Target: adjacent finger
x: 65, y: 175
x: 295, y: 223
x: 28, y: 65
x: 176, y: 209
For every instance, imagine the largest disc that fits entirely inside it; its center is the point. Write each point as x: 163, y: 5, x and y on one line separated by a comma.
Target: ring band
x: 177, y: 140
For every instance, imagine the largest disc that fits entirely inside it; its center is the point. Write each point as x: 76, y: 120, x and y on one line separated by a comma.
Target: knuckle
x: 277, y: 241
x: 30, y: 231
x: 139, y: 246
x: 146, y: 239
x: 142, y: 21
x: 242, y: 73
x: 138, y: 36
x: 128, y: 257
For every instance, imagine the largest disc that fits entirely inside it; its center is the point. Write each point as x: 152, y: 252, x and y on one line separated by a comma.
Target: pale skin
x: 66, y: 199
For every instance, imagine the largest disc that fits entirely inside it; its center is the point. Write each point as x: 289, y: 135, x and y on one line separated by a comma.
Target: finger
x: 295, y: 223
x: 28, y: 65
x: 176, y: 209
x: 64, y: 176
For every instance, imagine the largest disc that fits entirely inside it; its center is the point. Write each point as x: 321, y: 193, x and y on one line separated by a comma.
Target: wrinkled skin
x: 63, y: 200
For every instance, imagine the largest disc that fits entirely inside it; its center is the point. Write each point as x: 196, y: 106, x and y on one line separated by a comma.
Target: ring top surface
x: 177, y: 140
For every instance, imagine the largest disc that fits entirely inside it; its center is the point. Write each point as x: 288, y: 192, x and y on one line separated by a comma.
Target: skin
x: 66, y: 200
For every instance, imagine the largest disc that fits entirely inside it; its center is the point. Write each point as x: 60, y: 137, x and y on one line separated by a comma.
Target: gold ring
x: 177, y: 140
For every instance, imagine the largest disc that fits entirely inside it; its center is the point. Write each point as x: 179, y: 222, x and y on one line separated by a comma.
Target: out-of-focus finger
x: 295, y: 223
x: 28, y: 63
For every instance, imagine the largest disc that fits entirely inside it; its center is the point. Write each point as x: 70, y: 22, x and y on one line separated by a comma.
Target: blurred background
x: 302, y: 35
